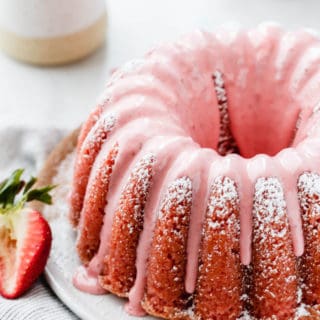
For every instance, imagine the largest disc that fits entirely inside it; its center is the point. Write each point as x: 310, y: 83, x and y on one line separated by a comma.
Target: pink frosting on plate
x: 85, y: 281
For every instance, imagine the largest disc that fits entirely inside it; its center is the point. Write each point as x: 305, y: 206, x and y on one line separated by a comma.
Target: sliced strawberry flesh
x: 24, y: 249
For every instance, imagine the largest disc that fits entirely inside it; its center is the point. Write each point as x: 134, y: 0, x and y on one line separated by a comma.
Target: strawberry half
x: 25, y: 236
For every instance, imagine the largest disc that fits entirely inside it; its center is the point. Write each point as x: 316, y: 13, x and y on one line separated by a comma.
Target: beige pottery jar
x: 51, y: 32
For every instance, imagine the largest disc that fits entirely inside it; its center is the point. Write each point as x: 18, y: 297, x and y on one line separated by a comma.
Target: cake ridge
x: 177, y: 170
x: 88, y: 152
x: 92, y: 212
x: 166, y: 262
x: 272, y: 253
x: 126, y: 228
x: 217, y: 296
x: 309, y: 195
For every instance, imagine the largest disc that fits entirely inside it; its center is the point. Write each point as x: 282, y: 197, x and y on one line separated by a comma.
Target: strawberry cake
x: 196, y: 183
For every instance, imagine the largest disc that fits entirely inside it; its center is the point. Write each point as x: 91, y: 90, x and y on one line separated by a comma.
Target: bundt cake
x: 196, y: 187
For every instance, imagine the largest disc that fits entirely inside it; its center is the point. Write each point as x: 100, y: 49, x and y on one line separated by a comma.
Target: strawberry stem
x: 29, y: 184
x: 11, y: 188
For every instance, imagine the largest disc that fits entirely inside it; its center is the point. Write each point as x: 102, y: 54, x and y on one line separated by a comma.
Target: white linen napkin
x: 28, y: 148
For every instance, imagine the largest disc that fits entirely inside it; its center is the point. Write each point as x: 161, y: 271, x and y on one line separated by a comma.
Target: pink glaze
x: 85, y: 281
x: 197, y: 169
x: 166, y: 105
x: 134, y: 310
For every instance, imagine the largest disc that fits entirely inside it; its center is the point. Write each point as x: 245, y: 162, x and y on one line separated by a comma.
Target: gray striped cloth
x: 28, y: 149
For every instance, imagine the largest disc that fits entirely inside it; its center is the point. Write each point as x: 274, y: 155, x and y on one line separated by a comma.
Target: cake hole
x: 259, y: 125
x: 226, y: 142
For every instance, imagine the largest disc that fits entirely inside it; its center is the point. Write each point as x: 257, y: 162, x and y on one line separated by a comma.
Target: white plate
x: 63, y: 261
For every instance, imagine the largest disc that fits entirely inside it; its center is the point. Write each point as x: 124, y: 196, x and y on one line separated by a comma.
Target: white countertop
x: 62, y: 97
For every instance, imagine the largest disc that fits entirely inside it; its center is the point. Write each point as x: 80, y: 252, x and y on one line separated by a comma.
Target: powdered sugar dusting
x: 309, y: 196
x: 143, y: 173
x: 226, y: 143
x: 218, y: 296
x: 167, y: 257
x: 274, y: 263
x: 85, y: 160
x: 309, y: 187
x: 224, y: 197
x: 137, y: 190
x: 269, y: 207
x: 99, y: 132
x: 106, y: 170
x: 178, y: 193
x: 302, y: 311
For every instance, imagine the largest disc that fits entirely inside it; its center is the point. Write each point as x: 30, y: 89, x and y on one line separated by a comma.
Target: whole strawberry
x: 25, y: 236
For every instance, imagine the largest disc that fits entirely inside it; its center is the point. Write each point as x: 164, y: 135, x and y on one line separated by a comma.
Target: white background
x: 62, y: 97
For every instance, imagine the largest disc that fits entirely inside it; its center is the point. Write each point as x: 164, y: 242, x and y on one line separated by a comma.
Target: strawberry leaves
x: 41, y: 194
x: 12, y: 197
x: 29, y: 184
x: 26, y: 237
x: 10, y: 187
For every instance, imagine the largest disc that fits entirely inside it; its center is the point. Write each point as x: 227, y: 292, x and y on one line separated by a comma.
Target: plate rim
x: 65, y: 298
